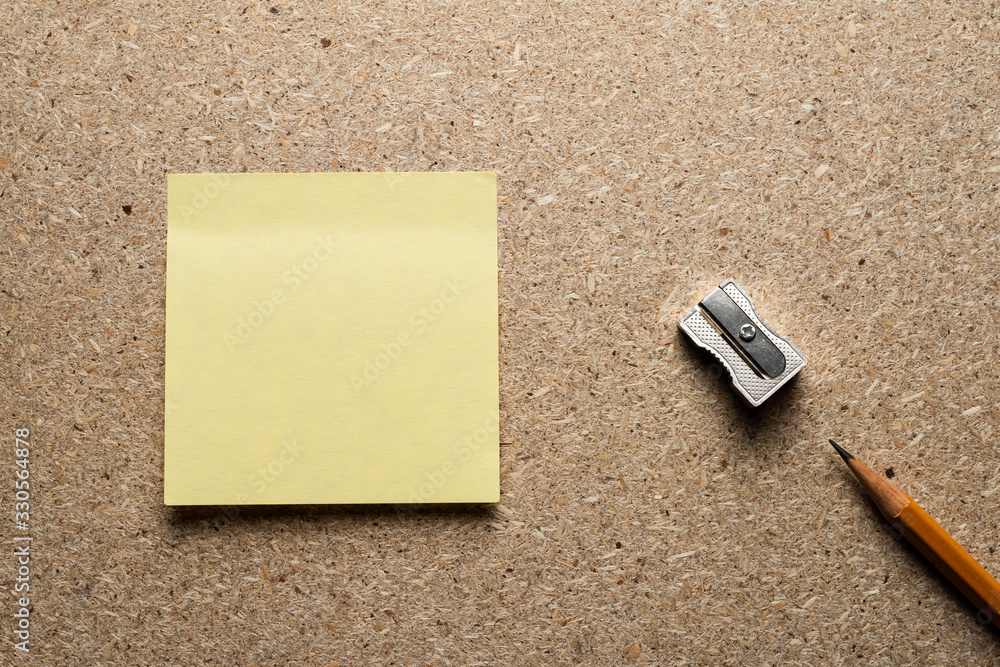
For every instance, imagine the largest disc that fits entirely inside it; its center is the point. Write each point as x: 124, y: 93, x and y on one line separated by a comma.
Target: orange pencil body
x: 951, y: 559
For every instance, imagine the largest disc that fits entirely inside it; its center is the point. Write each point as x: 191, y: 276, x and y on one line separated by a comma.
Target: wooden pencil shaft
x: 889, y: 497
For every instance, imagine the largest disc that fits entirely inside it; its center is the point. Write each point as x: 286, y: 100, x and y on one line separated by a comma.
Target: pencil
x: 923, y: 532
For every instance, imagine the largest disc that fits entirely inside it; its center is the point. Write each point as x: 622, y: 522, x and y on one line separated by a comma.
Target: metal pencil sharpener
x: 759, y: 360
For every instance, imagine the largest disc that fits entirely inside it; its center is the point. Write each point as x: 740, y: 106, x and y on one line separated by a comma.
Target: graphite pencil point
x: 843, y: 452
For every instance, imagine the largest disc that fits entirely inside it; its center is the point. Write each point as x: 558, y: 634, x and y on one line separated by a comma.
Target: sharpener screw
x: 747, y: 332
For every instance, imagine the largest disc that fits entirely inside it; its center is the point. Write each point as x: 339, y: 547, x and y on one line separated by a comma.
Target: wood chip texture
x: 840, y: 160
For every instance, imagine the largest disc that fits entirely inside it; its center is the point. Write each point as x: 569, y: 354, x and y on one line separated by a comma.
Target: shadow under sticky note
x: 331, y: 338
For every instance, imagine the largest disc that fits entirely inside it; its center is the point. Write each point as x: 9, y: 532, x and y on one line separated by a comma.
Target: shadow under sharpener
x: 758, y: 359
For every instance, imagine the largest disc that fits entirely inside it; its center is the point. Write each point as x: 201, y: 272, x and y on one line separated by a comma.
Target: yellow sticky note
x: 331, y: 338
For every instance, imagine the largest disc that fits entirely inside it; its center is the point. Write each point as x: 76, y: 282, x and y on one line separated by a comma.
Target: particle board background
x: 840, y: 160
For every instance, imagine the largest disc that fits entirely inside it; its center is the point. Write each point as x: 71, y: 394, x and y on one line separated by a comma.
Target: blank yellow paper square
x: 331, y: 338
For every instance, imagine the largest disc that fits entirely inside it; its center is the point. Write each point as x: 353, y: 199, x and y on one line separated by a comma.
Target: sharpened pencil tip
x: 843, y: 452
